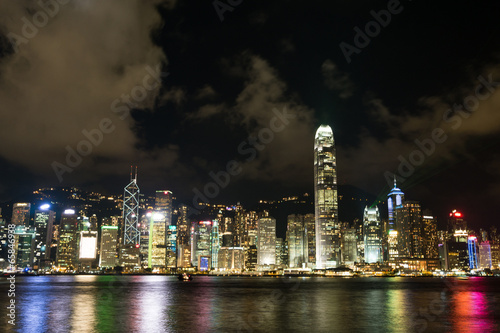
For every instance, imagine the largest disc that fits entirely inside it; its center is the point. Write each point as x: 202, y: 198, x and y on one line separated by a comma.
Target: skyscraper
x: 44, y: 221
x: 349, y: 246
x: 410, y: 232
x: 109, y: 240
x: 132, y: 233
x: 183, y: 238
x: 372, y: 235
x: 394, y: 205
x: 296, y: 237
x: 21, y: 214
x: 430, y: 235
x: 326, y: 201
x: 266, y: 241
x: 67, y: 248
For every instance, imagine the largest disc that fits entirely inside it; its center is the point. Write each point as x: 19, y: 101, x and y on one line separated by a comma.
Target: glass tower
x: 132, y: 234
x: 372, y: 235
x: 326, y: 202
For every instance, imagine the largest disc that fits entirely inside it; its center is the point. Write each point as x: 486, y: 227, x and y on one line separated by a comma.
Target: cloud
x: 288, y: 154
x: 336, y: 80
x: 206, y: 92
x: 65, y: 78
x: 371, y: 157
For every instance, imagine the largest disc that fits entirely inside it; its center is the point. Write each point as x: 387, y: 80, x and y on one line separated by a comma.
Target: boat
x: 185, y: 277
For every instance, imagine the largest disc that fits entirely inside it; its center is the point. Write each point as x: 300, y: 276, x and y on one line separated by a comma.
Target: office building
x: 372, y: 233
x: 430, y: 238
x: 44, y: 222
x: 183, y: 238
x: 67, y: 248
x: 266, y: 241
x: 21, y: 214
x: 108, y: 250
x: 326, y: 201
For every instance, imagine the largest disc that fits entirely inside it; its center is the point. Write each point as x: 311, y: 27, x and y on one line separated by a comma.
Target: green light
x: 109, y: 227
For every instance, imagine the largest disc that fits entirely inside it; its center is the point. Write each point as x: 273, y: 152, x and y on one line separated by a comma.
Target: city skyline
x: 187, y: 115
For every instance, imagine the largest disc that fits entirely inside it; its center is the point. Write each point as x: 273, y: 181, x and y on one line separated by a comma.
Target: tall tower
x: 326, y: 202
x: 372, y: 235
x: 132, y: 234
x: 394, y: 206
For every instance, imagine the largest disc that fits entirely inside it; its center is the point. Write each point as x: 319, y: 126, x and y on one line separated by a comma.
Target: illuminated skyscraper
x: 162, y: 218
x: 410, y: 230
x: 372, y: 235
x: 485, y: 255
x: 266, y: 241
x: 297, y: 241
x: 132, y: 234
x: 430, y: 235
x: 201, y: 243
x: 109, y: 241
x: 183, y: 238
x: 326, y: 201
x: 21, y: 214
x: 394, y: 205
x: 456, y: 222
x: 44, y: 221
x: 67, y: 249
x: 472, y: 249
x: 24, y: 238
x: 349, y: 246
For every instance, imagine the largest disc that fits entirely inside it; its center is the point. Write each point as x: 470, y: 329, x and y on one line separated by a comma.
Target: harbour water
x: 149, y: 303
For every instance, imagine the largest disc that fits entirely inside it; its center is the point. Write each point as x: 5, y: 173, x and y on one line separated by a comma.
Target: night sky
x: 223, y: 82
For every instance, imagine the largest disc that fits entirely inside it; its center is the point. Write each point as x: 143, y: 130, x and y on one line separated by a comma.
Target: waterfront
x: 85, y: 303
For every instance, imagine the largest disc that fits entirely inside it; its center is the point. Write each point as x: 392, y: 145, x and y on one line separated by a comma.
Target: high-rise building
x: 495, y: 255
x: 87, y: 249
x: 21, y: 214
x: 132, y: 233
x: 456, y: 221
x: 326, y: 201
x: 67, y: 248
x: 251, y: 258
x: 171, y: 246
x: 44, y: 221
x: 372, y: 235
x: 349, y: 246
x: 109, y: 241
x: 472, y: 250
x: 201, y: 242
x: 266, y: 241
x: 24, y: 244
x: 297, y: 241
x: 231, y: 259
x: 409, y: 223
x: 430, y: 236
x: 485, y: 255
x: 310, y: 225
x: 395, y: 200
x: 183, y: 238
x: 161, y: 219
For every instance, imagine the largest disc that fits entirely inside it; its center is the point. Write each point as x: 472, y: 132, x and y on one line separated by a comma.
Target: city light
x: 44, y: 207
x: 69, y: 212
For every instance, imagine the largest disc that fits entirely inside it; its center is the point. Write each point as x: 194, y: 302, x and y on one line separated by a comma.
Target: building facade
x: 326, y: 200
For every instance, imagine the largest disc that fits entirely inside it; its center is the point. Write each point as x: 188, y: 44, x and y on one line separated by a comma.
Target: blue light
x: 45, y: 207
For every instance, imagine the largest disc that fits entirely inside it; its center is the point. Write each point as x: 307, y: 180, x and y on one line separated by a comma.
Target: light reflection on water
x: 225, y: 304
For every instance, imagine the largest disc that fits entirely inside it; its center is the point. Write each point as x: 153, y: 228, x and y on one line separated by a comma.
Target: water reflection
x: 222, y: 304
x: 472, y: 313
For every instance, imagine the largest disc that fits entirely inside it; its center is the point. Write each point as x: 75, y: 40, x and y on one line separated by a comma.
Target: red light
x: 458, y: 214
x: 136, y: 246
